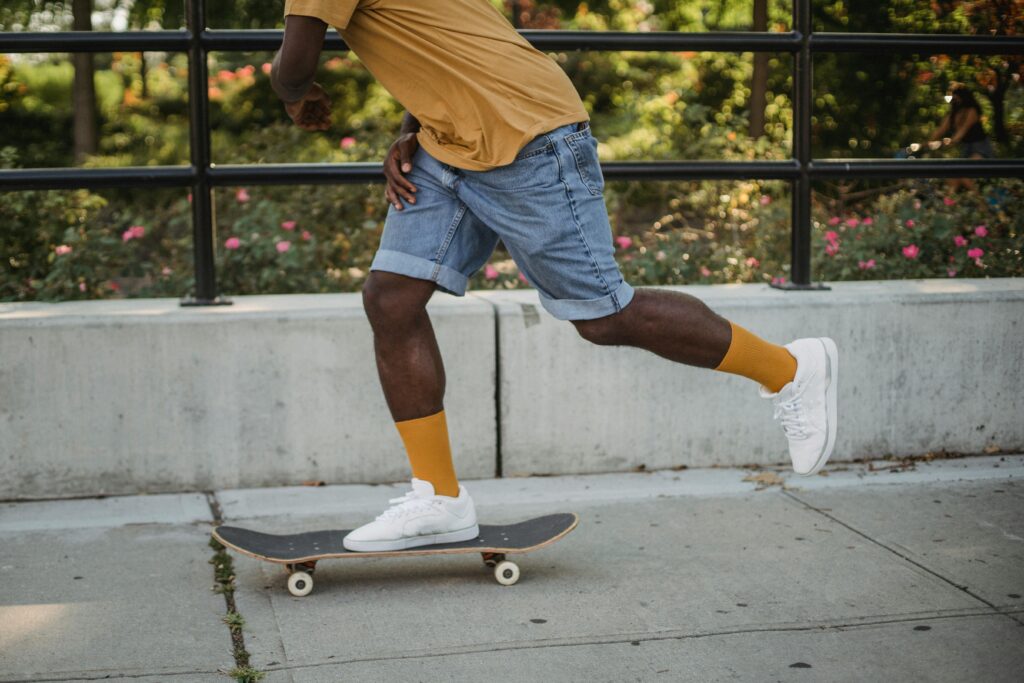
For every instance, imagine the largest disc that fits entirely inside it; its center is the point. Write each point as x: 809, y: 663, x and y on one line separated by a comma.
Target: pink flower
x: 347, y: 142
x: 917, y: 203
x: 911, y: 251
x: 981, y: 231
x: 232, y: 243
x: 948, y: 201
x: 624, y: 242
x: 283, y: 246
x: 852, y: 222
x: 975, y: 253
x: 226, y: 75
x: 753, y: 262
x: 780, y: 280
x: 960, y: 241
x: 62, y: 249
x: 522, y: 278
x: 868, y: 221
x: 216, y: 93
x: 247, y: 70
x: 866, y: 265
x: 832, y: 236
x: 834, y: 221
x: 765, y: 200
x: 288, y: 225
x: 242, y: 195
x: 134, y: 232
x: 306, y: 236
x: 165, y: 271
x: 490, y: 272
x: 910, y: 223
x: 951, y: 273
x: 81, y: 287
x: 705, y: 272
x: 189, y: 197
x: 832, y: 248
x: 267, y: 68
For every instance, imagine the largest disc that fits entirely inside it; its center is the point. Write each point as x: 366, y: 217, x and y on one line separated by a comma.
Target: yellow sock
x: 754, y: 358
x: 430, y: 454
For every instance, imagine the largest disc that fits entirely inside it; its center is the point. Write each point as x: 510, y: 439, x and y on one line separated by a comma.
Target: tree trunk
x: 759, y: 81
x: 83, y: 92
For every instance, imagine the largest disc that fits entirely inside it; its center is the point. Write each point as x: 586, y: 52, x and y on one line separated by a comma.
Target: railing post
x: 800, y: 234
x: 199, y: 142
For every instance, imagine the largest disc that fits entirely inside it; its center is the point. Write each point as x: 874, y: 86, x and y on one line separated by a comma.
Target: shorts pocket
x: 584, y: 151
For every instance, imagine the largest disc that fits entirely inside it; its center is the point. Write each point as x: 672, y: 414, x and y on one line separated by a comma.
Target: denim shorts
x: 546, y: 207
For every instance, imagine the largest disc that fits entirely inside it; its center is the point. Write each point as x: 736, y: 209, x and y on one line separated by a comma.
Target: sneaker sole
x: 467, y: 534
x: 831, y: 403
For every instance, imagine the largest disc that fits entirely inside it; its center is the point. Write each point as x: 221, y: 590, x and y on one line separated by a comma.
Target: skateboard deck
x: 300, y: 552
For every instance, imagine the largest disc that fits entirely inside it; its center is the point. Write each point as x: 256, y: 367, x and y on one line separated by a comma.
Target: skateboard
x: 299, y: 553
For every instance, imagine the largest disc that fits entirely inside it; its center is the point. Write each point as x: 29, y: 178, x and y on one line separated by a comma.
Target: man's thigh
x: 548, y: 208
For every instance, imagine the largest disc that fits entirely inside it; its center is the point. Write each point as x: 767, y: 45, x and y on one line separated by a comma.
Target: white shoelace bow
x: 791, y: 414
x: 407, y: 504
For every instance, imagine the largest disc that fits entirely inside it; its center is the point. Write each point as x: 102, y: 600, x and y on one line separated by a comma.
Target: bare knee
x: 606, y: 331
x: 393, y: 300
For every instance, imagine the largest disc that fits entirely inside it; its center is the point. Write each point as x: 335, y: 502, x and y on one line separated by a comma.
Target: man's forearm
x: 409, y: 124
x: 295, y: 64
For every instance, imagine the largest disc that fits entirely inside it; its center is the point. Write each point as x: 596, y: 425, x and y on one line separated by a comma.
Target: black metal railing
x: 202, y: 176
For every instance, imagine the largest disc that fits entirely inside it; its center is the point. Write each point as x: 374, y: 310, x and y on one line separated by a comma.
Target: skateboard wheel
x: 301, y: 583
x: 507, y: 573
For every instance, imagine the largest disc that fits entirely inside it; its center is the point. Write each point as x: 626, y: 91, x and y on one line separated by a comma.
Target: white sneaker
x: 807, y: 407
x: 418, y: 518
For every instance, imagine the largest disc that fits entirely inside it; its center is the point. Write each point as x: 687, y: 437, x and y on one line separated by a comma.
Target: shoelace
x: 791, y: 414
x: 406, y: 505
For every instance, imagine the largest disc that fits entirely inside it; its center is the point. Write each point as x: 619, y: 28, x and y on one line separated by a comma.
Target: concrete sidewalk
x: 688, y: 575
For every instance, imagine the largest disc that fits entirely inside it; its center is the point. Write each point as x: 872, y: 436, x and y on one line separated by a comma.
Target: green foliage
x: 644, y: 105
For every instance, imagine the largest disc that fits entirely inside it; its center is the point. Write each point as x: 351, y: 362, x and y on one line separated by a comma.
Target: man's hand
x: 313, y: 111
x: 397, y: 162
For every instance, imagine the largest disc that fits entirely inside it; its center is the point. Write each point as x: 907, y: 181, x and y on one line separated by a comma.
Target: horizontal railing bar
x: 660, y: 41
x: 296, y: 174
x: 920, y: 44
x: 94, y: 41
x: 370, y: 172
x: 72, y: 178
x: 700, y: 170
x: 917, y: 168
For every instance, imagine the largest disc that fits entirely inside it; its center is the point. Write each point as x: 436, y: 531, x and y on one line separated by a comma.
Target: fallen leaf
x: 765, y: 479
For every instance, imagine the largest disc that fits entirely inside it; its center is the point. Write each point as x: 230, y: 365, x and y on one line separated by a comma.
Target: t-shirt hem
x: 445, y: 156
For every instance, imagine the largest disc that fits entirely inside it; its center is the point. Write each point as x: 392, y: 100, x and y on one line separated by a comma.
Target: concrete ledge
x: 131, y: 396
x: 114, y: 397
x: 924, y: 366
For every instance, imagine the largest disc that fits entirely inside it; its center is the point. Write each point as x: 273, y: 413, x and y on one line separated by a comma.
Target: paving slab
x: 971, y: 534
x: 123, y: 601
x: 641, y: 570
x: 961, y: 649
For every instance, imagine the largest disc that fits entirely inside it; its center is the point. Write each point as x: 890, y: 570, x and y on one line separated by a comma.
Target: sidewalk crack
x: 224, y: 577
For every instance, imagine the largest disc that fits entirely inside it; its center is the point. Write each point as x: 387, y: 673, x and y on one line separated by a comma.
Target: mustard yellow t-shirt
x: 479, y: 90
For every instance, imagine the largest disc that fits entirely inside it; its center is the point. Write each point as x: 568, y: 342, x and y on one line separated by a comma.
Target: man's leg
x: 411, y: 373
x: 682, y: 328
